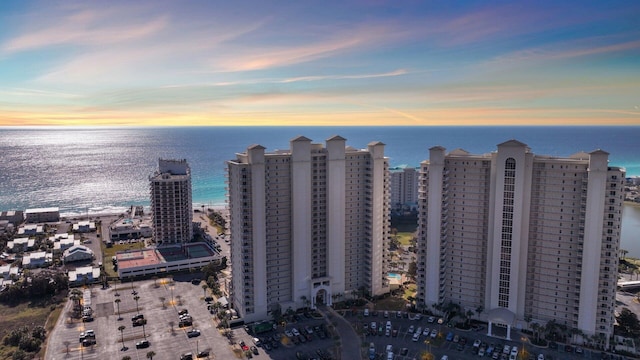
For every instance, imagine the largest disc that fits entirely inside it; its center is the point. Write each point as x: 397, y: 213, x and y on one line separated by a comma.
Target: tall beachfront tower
x: 524, y: 238
x: 308, y: 225
x: 404, y: 187
x: 171, y: 204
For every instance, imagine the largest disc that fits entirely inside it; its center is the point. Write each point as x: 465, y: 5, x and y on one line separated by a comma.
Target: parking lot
x: 404, y: 346
x: 159, y: 301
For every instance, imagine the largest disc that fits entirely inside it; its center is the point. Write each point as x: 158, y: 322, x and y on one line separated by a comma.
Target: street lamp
x: 524, y: 340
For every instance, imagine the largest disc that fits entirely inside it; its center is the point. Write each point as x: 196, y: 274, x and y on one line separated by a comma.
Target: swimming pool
x: 395, y: 276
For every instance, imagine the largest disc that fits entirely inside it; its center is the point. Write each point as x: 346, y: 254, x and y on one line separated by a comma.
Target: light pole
x: 523, y: 339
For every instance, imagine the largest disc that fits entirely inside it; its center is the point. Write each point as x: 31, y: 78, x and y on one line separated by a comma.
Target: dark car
x: 142, y: 344
x: 186, y: 356
x: 195, y: 281
x: 208, y: 298
x: 136, y: 317
x: 183, y: 311
x: 254, y: 350
x: 140, y: 322
x: 202, y: 354
x: 193, y: 333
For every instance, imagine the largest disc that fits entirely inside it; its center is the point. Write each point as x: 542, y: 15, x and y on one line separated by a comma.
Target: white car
x: 389, y: 348
x: 288, y: 333
x: 366, y: 312
x: 411, y: 328
x: 415, y: 337
x: 388, y: 325
x: 506, y: 349
x: 295, y: 332
x: 426, y: 331
x: 419, y: 330
x: 434, y: 333
x: 540, y: 356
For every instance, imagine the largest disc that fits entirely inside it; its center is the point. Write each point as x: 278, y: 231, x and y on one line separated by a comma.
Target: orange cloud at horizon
x: 372, y: 116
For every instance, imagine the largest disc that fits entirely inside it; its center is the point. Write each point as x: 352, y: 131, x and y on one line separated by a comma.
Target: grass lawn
x: 392, y: 303
x: 410, y: 291
x: 405, y: 238
x: 25, y: 314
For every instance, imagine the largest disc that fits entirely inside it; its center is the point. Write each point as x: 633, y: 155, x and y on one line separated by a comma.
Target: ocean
x: 106, y: 170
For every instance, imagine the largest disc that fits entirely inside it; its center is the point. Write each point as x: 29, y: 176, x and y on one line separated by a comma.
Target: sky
x: 347, y: 63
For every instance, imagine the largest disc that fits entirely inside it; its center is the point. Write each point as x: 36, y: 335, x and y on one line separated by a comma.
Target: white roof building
x: 84, y: 226
x: 21, y: 244
x: 84, y: 273
x: 7, y: 270
x: 36, y: 259
x: 77, y: 253
x: 31, y: 229
x: 62, y: 242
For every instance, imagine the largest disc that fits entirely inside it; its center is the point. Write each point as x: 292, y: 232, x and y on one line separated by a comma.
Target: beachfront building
x: 42, y: 215
x: 525, y: 238
x: 404, y: 188
x: 171, y: 207
x: 129, y: 228
x: 15, y: 217
x: 307, y: 224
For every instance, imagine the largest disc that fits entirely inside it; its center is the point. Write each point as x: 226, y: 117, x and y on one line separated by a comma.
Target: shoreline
x: 120, y: 211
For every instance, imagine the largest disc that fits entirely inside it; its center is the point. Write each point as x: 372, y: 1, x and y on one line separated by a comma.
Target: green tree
x: 151, y: 354
x: 628, y: 323
x: 136, y: 298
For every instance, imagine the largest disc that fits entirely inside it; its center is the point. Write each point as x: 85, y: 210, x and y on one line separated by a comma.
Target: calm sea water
x: 96, y: 170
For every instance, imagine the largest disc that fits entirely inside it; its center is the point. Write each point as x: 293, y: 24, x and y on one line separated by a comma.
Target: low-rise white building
x: 21, y: 244
x: 62, y: 242
x: 42, y: 215
x: 31, y: 229
x: 130, y: 229
x: 83, y: 275
x: 84, y: 226
x: 7, y: 271
x: 37, y: 259
x: 77, y: 253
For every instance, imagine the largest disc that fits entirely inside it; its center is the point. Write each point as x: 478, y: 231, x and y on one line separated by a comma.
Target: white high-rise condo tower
x: 522, y: 238
x: 308, y: 225
x: 171, y: 204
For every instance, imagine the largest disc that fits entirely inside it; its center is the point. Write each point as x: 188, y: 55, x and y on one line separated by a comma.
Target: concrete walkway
x: 349, y: 339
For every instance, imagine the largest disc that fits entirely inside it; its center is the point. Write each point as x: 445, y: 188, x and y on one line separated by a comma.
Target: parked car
x: 203, y: 353
x: 186, y: 356
x: 254, y: 350
x: 142, y: 344
x: 193, y: 333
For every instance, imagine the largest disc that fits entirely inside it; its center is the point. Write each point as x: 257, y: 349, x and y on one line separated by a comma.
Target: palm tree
x: 136, y: 298
x: 121, y: 328
x: 162, y: 299
x: 204, y: 289
x: 118, y: 301
x: 75, y: 296
x: 66, y: 344
x: 151, y: 354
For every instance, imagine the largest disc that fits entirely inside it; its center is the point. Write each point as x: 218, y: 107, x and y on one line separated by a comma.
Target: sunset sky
x: 363, y: 62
